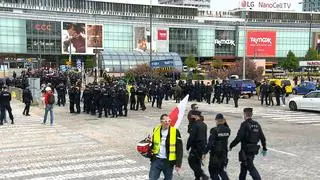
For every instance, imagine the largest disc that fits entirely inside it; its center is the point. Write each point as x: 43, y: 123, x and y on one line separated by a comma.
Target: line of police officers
x: 249, y: 134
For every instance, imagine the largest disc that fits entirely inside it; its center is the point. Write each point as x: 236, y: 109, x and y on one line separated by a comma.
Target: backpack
x: 51, y: 99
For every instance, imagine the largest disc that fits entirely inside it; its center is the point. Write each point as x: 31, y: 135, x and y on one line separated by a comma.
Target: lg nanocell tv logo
x: 267, y: 4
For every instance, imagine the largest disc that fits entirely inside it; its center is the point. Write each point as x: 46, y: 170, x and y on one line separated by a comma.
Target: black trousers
x: 208, y: 98
x: 132, y: 102
x: 249, y: 166
x: 26, y: 108
x: 216, y: 97
x: 3, y: 110
x: 236, y: 102
x: 216, y: 172
x: 78, y: 106
x: 140, y: 102
x: 71, y: 106
x: 195, y: 164
x: 61, y: 99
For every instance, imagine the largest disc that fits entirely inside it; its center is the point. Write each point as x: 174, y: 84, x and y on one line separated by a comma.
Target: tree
x: 191, y: 62
x: 291, y: 62
x: 218, y: 64
x: 312, y: 54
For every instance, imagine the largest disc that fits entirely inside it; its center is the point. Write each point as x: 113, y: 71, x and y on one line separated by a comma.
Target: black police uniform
x: 5, y: 98
x: 132, y: 98
x: 77, y: 99
x: 86, y: 100
x: 197, y: 142
x: 249, y: 134
x: 61, y: 94
x: 141, y: 93
x: 27, y: 99
x: 208, y: 93
x: 218, y: 147
x: 217, y: 93
x: 236, y: 96
x: 72, y: 97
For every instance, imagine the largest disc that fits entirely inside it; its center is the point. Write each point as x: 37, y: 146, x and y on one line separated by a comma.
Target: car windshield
x: 286, y: 82
x: 248, y: 82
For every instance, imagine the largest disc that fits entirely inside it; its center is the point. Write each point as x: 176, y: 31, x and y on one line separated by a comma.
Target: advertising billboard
x: 269, y: 5
x: 162, y: 43
x: 74, y: 38
x: 261, y: 43
x: 316, y: 41
x: 43, y: 36
x: 94, y: 37
x: 160, y: 39
x: 225, y: 42
x: 162, y: 63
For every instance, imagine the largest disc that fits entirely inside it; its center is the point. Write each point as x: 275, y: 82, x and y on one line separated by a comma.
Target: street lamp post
x: 150, y: 31
x: 310, y: 30
x: 245, y: 47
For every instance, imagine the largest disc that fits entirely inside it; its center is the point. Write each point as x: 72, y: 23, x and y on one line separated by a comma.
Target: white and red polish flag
x: 177, y: 113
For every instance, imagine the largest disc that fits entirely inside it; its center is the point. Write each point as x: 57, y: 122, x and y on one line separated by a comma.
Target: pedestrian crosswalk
x: 30, y: 150
x: 277, y: 114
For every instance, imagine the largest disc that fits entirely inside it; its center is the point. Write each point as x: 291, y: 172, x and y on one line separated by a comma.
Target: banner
x: 269, y: 5
x: 94, y: 37
x: 160, y: 39
x: 316, y: 41
x: 162, y: 63
x: 261, y: 43
x: 74, y: 38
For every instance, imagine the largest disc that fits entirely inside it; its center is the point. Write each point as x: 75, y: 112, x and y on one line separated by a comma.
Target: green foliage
x: 198, y: 77
x: 291, y: 63
x: 312, y: 54
x: 89, y: 63
x: 190, y: 62
x: 303, y: 74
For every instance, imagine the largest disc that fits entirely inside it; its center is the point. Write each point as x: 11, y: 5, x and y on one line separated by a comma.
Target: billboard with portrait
x: 74, y: 38
x: 94, y: 37
x: 261, y: 43
x: 141, y: 38
x: 316, y: 41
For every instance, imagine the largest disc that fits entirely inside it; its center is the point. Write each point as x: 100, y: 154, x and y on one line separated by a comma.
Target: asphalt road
x: 85, y: 147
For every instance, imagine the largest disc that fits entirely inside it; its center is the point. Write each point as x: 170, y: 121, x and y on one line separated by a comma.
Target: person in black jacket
x: 218, y: 147
x: 164, y: 158
x: 5, y: 98
x: 197, y: 142
x: 27, y: 100
x: 132, y: 98
x: 249, y: 134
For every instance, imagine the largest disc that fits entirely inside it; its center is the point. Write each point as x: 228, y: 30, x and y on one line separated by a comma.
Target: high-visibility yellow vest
x: 172, y: 142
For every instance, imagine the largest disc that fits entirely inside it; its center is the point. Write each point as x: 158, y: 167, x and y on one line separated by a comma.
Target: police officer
x: 249, y: 134
x: 141, y: 93
x: 208, y: 92
x: 217, y: 93
x: 27, y: 99
x: 132, y: 98
x: 197, y: 142
x: 72, y: 97
x: 225, y: 90
x: 218, y: 147
x: 77, y: 99
x: 236, y: 95
x: 61, y: 94
x: 5, y: 98
x: 86, y: 98
x: 123, y: 101
x: 160, y: 95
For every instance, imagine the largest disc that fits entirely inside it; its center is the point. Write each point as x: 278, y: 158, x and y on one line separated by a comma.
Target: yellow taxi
x: 281, y: 82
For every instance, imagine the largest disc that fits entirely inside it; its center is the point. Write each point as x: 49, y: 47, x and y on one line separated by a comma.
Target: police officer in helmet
x: 249, y: 134
x: 218, y: 147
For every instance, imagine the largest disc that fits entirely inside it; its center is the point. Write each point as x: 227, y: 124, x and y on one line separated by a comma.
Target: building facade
x: 311, y: 5
x: 195, y: 3
x: 43, y: 30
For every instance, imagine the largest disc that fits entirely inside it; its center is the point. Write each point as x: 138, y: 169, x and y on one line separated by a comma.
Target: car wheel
x: 294, y: 91
x: 293, y: 106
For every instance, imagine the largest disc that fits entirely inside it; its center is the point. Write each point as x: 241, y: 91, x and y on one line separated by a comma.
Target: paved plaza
x: 86, y: 147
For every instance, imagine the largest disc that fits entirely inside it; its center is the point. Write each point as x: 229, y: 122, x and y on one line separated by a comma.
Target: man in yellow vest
x: 167, y: 150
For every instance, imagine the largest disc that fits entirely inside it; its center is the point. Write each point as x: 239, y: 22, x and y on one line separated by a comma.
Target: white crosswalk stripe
x: 34, y: 151
x: 301, y: 117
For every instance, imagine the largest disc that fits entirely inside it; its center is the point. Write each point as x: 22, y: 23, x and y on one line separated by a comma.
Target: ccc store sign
x: 42, y: 27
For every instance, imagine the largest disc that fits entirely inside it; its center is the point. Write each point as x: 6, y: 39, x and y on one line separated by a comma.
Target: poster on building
x: 74, y: 38
x: 43, y: 36
x: 94, y: 37
x: 141, y: 38
x: 269, y: 5
x: 261, y: 43
x: 225, y: 42
x: 162, y: 39
x: 316, y: 41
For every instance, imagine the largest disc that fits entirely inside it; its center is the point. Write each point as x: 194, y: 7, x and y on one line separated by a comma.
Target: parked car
x: 281, y: 82
x: 247, y: 86
x: 310, y: 101
x: 304, y: 88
